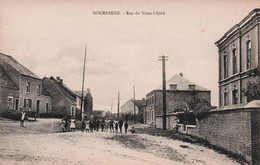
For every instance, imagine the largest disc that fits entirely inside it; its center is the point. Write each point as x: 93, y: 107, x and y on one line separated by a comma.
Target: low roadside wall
x: 235, y: 130
x: 170, y: 122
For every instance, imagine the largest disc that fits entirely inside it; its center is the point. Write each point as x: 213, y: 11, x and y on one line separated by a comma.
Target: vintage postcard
x: 129, y: 82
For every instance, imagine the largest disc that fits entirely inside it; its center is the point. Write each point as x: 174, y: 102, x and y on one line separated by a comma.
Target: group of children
x: 94, y: 125
x: 68, y: 125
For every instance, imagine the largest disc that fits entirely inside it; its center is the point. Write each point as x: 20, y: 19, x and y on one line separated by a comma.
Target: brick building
x: 128, y: 107
x: 64, y: 100
x: 239, y: 59
x: 20, y: 88
x: 179, y: 92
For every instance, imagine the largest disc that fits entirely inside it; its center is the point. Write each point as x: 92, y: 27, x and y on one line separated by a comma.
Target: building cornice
x: 239, y: 26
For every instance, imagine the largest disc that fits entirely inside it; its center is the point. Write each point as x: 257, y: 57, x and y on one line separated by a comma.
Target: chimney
x: 143, y: 99
x: 61, y: 81
x: 58, y: 78
x: 181, y: 74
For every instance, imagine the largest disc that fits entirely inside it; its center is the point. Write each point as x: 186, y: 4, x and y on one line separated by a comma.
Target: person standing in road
x: 22, y: 119
x: 72, y: 125
x: 116, y: 127
x: 83, y: 125
x: 120, y: 123
x: 87, y: 126
x: 111, y: 125
x: 126, y: 126
x: 102, y: 125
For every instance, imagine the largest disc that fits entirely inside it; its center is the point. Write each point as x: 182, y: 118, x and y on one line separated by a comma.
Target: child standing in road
x: 72, y: 125
x: 87, y: 126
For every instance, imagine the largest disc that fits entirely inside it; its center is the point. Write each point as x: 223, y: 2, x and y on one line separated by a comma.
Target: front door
x: 38, y: 107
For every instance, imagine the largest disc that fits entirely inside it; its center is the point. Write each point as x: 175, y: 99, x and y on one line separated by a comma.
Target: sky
x: 49, y: 38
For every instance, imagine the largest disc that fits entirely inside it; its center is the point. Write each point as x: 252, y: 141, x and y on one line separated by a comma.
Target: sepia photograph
x: 130, y: 82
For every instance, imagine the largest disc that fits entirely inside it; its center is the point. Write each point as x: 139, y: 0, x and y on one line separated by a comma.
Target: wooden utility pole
x: 163, y: 59
x: 118, y: 105
x: 83, y: 79
x: 111, y: 105
x: 134, y: 100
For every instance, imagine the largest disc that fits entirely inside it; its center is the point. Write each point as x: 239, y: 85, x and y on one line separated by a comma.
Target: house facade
x: 64, y: 100
x: 239, y: 59
x: 179, y: 93
x: 21, y: 88
x: 128, y: 107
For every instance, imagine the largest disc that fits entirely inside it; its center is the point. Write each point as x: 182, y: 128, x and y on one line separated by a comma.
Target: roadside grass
x: 190, y: 139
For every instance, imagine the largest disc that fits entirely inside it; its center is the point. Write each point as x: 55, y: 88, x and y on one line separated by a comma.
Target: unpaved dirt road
x: 38, y: 143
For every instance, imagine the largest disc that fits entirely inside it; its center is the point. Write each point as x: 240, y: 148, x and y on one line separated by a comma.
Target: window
x: 10, y: 102
x: 234, y: 55
x: 27, y: 87
x: 47, y: 107
x: 173, y: 87
x: 234, y: 96
x: 28, y: 104
x: 225, y: 66
x: 38, y: 89
x: 248, y: 54
x: 152, y: 115
x: 225, y: 97
x: 191, y: 87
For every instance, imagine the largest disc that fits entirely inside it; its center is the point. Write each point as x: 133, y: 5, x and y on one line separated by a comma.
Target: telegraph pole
x: 134, y: 100
x: 111, y: 105
x: 118, y: 105
x: 83, y: 85
x: 163, y: 59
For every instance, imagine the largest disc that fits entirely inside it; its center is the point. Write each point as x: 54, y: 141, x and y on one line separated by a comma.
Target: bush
x: 59, y: 112
x: 12, y: 114
x: 252, y: 91
x: 46, y: 115
x: 200, y: 108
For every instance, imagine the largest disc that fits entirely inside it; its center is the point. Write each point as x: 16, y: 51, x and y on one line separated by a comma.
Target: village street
x: 39, y: 143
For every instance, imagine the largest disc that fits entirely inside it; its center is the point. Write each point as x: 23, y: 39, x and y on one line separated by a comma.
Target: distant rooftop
x: 182, y: 83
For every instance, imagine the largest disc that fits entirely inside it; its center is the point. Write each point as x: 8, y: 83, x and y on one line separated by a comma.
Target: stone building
x: 20, y: 88
x: 64, y: 100
x: 87, y: 101
x: 179, y: 92
x: 128, y: 107
x: 239, y: 59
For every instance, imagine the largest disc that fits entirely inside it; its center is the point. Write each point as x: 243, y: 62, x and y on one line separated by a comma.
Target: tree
x: 252, y: 90
x: 200, y: 108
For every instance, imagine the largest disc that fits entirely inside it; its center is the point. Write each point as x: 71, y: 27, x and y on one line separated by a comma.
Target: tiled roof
x: 45, y: 91
x: 78, y: 93
x: 61, y: 89
x: 139, y: 103
x: 17, y: 66
x: 5, y: 80
x: 182, y: 84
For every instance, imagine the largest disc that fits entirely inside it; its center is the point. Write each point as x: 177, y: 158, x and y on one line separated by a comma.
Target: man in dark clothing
x: 102, y: 124
x: 83, y: 125
x: 120, y: 123
x: 97, y: 125
x: 126, y: 126
x: 111, y: 125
